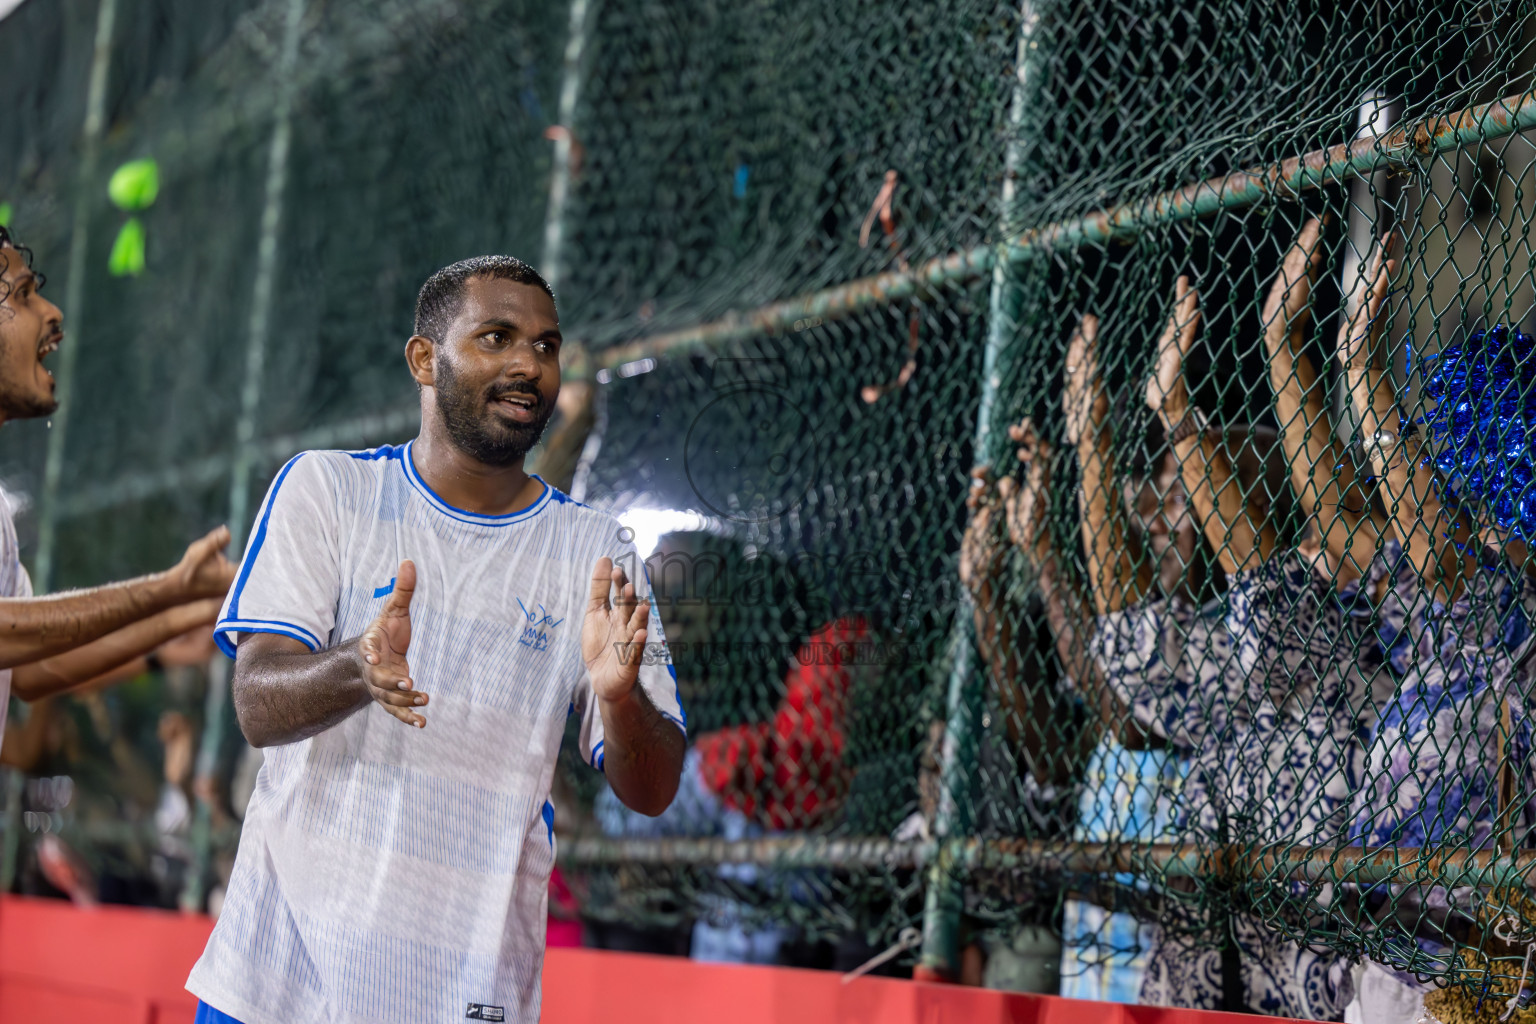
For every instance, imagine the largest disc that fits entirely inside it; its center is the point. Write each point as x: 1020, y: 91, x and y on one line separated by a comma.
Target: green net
x: 1220, y: 673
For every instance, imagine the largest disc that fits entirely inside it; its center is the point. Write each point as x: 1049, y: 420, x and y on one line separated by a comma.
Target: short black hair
x: 8, y: 242
x: 442, y: 296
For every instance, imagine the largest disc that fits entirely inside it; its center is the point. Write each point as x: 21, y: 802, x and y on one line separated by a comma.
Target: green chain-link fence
x: 1231, y: 669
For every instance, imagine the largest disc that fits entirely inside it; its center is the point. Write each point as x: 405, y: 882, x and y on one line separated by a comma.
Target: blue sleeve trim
x: 597, y: 756
x: 679, y: 722
x: 677, y: 690
x: 549, y: 822
x: 260, y: 538
x: 221, y: 633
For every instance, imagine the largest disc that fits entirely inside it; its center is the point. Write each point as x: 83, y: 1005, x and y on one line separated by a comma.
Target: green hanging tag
x: 5, y: 215
x: 127, y: 259
x: 135, y: 185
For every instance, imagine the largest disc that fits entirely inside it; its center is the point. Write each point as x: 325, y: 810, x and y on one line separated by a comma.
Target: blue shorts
x: 208, y: 1015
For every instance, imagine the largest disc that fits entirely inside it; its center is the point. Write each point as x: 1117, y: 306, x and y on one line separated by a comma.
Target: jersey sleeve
x: 289, y: 580
x: 658, y: 677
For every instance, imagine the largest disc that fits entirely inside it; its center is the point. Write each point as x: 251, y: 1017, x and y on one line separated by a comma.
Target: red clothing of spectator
x: 789, y: 773
x: 563, y: 930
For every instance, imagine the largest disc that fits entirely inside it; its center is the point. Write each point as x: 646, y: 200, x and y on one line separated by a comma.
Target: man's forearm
x: 642, y: 752
x: 35, y: 628
x: 283, y: 698
x: 118, y: 655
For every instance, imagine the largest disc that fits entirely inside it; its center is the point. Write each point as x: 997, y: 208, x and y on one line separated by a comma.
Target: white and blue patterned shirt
x: 1440, y: 747
x: 393, y: 874
x: 1270, y: 692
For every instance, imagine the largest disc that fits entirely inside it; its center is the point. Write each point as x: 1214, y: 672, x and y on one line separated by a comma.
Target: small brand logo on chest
x: 538, y: 629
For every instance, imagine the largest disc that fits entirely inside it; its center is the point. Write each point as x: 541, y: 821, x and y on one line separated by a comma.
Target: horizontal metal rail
x: 1283, y: 861
x: 1239, y: 189
x: 1231, y: 191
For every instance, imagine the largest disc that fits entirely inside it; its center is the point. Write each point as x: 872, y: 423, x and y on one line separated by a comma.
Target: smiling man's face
x: 496, y: 374
x: 30, y: 329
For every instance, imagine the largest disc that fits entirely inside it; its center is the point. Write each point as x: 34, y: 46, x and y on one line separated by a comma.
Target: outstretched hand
x: 383, y: 648
x: 1083, y: 399
x: 613, y: 632
x: 1167, y: 391
x: 204, y: 571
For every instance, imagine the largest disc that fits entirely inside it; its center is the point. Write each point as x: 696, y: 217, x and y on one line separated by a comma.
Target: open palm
x: 613, y: 632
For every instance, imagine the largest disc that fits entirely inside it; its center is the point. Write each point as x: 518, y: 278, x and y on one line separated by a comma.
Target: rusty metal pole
x: 943, y: 896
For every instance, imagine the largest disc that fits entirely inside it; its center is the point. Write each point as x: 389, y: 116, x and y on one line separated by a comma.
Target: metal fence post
x: 944, y: 895
x: 216, y: 706
x: 74, y: 288
x: 74, y: 301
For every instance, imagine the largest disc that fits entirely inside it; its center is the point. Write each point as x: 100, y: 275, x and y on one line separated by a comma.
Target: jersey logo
x: 540, y: 625
x: 479, y: 1011
x: 385, y: 589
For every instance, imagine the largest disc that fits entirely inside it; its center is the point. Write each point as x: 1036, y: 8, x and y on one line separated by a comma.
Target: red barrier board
x: 125, y: 965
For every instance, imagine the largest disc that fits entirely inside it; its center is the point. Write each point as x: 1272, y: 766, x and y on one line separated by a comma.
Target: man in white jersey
x: 390, y: 871
x: 53, y: 644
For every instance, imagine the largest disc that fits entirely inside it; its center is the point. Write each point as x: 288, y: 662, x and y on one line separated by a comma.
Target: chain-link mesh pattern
x: 1217, y: 640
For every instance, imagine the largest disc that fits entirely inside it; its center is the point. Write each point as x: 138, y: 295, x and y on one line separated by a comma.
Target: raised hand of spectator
x: 1028, y: 503
x: 982, y: 547
x: 1237, y: 528
x: 1167, y: 392
x: 1322, y: 476
x: 1083, y: 399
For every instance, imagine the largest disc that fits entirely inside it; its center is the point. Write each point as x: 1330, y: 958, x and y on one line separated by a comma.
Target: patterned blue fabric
x: 1268, y: 692
x: 1127, y: 795
x: 1436, y: 755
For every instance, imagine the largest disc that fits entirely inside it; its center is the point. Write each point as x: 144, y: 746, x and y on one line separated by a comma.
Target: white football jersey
x: 394, y: 874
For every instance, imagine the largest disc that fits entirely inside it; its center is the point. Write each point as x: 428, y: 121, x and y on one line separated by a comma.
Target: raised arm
x: 1418, y: 517
x: 1321, y: 474
x: 1066, y: 605
x: 1117, y: 574
x: 643, y: 750
x: 36, y: 628
x: 1237, y: 529
x: 982, y: 550
x: 113, y: 658
x: 284, y: 692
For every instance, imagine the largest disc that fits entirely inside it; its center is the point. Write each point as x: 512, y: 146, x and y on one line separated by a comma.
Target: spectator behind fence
x: 1287, y: 662
x: 52, y: 644
x: 1451, y: 757
x: 1127, y: 780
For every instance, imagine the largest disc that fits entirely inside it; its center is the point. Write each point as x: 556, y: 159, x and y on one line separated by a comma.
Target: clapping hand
x: 383, y: 648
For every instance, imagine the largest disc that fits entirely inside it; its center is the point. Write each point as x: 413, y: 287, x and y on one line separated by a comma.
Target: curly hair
x: 8, y: 242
